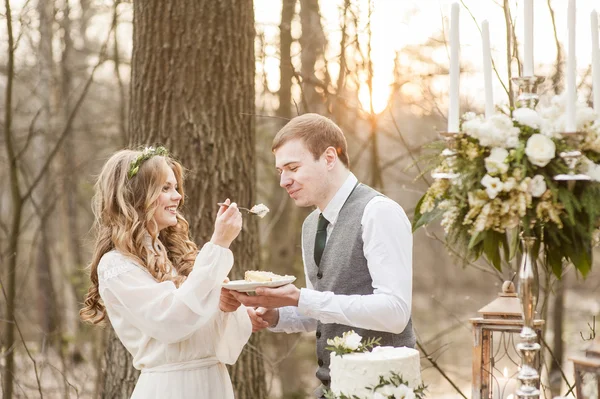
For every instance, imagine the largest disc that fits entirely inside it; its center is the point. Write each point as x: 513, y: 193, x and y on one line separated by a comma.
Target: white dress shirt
x: 387, y: 246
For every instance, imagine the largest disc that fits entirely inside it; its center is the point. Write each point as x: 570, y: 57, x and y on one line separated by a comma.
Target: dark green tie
x: 321, y: 238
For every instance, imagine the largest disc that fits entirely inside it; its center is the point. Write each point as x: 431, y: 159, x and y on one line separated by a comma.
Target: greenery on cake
x: 392, y: 387
x: 350, y: 342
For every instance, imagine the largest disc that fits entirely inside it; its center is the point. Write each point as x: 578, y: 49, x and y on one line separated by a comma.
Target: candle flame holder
x: 572, y: 158
x: 528, y: 86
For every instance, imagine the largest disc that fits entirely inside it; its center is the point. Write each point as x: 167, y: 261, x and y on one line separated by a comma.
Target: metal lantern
x: 496, y: 360
x: 587, y: 371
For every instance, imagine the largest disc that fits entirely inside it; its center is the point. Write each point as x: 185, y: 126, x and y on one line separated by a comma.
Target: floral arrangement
x: 504, y: 169
x: 392, y: 387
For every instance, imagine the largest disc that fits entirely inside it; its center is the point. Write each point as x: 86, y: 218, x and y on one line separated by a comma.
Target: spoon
x: 259, y: 210
x: 241, y: 208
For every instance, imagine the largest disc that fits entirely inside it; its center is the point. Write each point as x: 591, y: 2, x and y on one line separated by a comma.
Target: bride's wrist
x: 220, y: 241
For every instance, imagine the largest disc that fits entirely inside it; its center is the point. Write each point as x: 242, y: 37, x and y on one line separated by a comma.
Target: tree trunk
x: 192, y: 78
x: 286, y: 72
x: 46, y: 304
x: 119, y: 375
x: 313, y: 43
x: 9, y: 278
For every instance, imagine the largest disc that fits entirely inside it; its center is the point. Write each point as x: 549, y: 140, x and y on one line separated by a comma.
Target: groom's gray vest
x: 343, y: 270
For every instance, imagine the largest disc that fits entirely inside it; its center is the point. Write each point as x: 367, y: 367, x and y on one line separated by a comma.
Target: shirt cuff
x: 285, y: 319
x: 311, y: 302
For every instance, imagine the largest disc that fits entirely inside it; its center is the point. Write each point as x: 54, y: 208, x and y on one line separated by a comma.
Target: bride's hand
x: 227, y: 303
x: 262, y: 318
x: 227, y: 225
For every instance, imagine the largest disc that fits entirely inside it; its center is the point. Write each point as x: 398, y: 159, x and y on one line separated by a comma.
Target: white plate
x: 246, y: 286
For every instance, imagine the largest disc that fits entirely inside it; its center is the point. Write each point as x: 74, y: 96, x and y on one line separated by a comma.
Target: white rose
x: 512, y: 141
x: 352, y: 340
x: 537, y: 186
x: 527, y: 117
x: 496, y: 162
x: 377, y: 395
x: 387, y: 390
x: 492, y: 185
x: 540, y: 150
x: 472, y: 127
x: 501, y: 128
x: 404, y: 392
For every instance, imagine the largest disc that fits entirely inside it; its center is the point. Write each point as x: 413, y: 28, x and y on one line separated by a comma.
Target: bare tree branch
x: 67, y: 128
x: 435, y: 364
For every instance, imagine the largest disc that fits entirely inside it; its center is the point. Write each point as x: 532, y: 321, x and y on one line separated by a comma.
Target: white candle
x: 595, y: 62
x: 528, y: 56
x: 487, y: 68
x: 570, y: 125
x: 506, y: 387
x: 453, y: 106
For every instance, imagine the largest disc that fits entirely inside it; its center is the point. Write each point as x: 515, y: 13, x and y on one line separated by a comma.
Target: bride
x: 161, y: 295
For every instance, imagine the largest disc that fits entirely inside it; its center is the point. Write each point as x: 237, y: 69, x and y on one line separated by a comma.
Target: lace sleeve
x: 114, y: 264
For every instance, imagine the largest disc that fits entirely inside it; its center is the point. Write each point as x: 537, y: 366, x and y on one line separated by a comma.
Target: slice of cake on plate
x: 259, y: 276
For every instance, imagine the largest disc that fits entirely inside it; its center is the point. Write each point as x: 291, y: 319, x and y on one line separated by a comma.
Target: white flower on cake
x: 260, y: 210
x: 349, y: 342
x: 540, y: 150
x: 496, y: 162
x: 537, y: 186
x: 402, y: 391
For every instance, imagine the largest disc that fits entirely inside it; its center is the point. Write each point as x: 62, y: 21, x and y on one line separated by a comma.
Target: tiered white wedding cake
x: 352, y: 373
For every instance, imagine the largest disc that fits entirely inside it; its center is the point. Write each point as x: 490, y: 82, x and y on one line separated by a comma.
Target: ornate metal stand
x: 529, y: 347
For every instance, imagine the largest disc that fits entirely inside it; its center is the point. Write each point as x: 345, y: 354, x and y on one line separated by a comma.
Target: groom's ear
x: 331, y: 157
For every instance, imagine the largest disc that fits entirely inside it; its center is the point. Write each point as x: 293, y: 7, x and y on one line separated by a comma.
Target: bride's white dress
x: 179, y: 338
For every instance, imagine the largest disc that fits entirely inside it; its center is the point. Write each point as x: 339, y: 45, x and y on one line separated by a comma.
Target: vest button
x: 318, y: 334
x: 319, y: 275
x: 320, y: 362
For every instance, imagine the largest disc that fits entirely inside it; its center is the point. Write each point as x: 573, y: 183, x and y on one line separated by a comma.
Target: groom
x: 356, y: 248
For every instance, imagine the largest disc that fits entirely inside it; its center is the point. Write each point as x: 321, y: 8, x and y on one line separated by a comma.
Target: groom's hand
x: 287, y: 295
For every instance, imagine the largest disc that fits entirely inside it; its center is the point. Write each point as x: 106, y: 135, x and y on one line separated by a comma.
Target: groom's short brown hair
x: 317, y: 132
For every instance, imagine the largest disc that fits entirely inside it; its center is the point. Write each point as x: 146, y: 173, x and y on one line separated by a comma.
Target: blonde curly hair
x: 124, y: 221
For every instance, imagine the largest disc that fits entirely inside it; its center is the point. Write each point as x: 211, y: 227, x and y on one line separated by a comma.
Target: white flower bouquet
x: 504, y: 169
